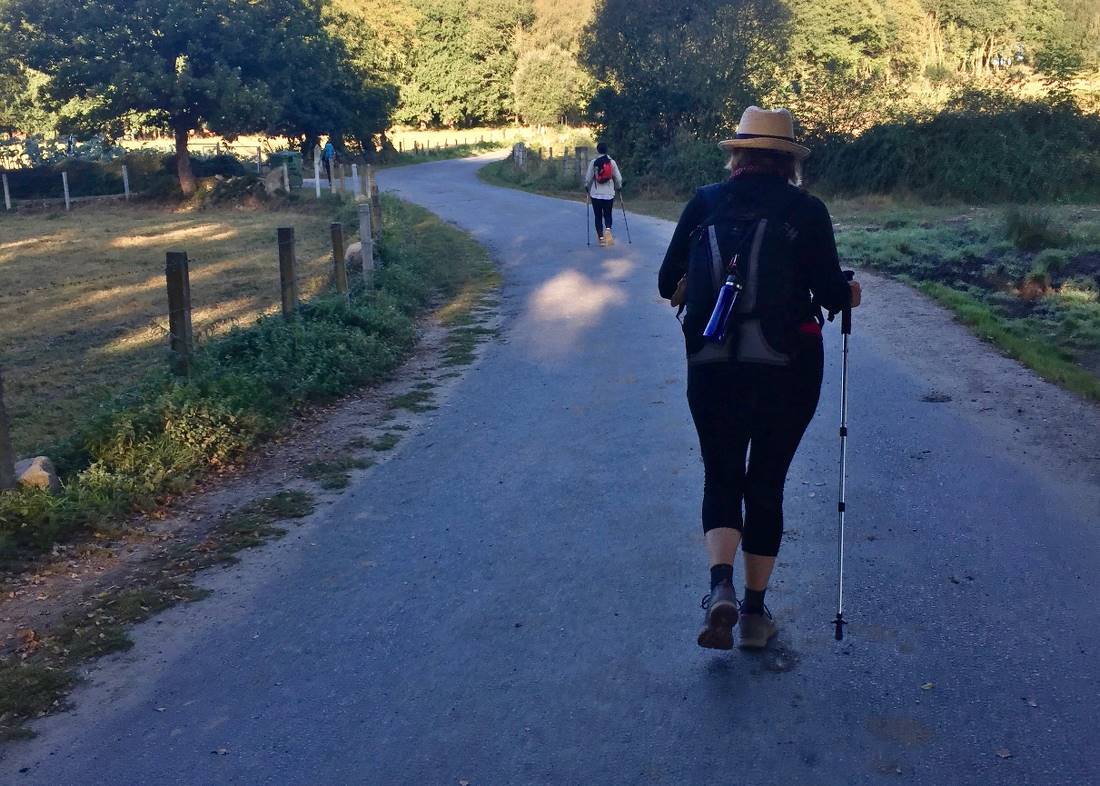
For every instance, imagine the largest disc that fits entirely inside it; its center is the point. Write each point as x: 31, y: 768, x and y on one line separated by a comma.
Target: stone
x: 37, y: 472
x: 353, y: 256
x: 273, y: 180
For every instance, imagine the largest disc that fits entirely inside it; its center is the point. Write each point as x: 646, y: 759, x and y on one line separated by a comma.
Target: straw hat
x: 766, y: 129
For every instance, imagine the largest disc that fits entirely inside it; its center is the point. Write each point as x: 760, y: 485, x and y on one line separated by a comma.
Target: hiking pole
x: 845, y: 331
x: 587, y: 225
x: 622, y: 204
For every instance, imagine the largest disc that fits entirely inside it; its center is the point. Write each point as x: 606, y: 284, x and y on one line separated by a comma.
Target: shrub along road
x: 515, y: 598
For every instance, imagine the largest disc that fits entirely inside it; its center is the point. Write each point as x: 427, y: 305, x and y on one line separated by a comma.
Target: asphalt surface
x: 515, y: 599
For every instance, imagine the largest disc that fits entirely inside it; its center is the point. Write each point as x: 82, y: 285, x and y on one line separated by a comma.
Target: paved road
x: 515, y: 600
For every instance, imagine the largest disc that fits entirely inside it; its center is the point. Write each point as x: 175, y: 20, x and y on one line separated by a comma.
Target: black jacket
x: 817, y: 265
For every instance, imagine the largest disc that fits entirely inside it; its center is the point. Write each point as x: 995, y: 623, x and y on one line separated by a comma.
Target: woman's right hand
x: 857, y: 293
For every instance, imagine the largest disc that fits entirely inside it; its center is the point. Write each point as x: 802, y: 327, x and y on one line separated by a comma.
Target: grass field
x: 83, y: 308
x: 1027, y: 279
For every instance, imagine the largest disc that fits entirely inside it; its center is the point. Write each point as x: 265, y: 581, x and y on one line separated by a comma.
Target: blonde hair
x: 771, y: 162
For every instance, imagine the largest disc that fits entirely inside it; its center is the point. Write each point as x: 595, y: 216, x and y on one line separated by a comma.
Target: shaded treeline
x: 920, y: 95
x: 655, y: 77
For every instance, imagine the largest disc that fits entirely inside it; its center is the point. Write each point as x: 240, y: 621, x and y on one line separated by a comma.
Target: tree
x: 548, y: 85
x: 229, y: 66
x: 666, y: 67
x: 464, y: 61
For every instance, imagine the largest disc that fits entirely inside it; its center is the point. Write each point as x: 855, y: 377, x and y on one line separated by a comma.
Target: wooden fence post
x: 7, y: 193
x: 340, y: 269
x: 375, y: 201
x: 65, y: 188
x: 288, y: 278
x: 126, y: 181
x: 181, y: 340
x: 366, y: 240
x: 7, y: 455
x: 400, y: 146
x: 317, y: 176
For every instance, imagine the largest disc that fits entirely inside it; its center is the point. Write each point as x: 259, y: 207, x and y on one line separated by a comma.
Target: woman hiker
x: 601, y: 181
x: 753, y: 394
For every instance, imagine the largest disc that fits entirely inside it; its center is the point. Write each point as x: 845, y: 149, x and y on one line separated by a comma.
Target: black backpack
x: 763, y: 325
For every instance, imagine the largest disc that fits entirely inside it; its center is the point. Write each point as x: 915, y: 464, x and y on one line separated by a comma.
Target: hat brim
x: 766, y: 143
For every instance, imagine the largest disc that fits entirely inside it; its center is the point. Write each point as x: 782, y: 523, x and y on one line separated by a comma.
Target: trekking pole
x: 622, y: 204
x: 587, y: 225
x: 845, y: 331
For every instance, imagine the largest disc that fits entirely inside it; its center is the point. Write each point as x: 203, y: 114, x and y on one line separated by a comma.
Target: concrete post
x: 65, y: 187
x: 317, y: 176
x: 7, y: 193
x: 257, y: 160
x: 356, y: 186
x: 286, y: 178
x: 375, y: 201
x: 181, y: 339
x: 126, y: 181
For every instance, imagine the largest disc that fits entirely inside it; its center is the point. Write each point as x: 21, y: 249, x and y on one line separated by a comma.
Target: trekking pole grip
x: 846, y: 314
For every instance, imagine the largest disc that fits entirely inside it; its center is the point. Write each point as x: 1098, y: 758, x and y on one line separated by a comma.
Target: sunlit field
x: 83, y: 308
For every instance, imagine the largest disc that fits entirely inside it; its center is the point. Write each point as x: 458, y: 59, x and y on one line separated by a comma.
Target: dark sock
x: 720, y: 573
x: 754, y: 601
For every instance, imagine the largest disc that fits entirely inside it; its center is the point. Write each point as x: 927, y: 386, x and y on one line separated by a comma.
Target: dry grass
x: 83, y: 304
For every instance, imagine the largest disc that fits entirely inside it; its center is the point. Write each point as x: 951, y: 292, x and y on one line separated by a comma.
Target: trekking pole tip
x: 839, y: 623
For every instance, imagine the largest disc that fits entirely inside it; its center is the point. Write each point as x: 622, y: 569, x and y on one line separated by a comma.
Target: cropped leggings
x: 602, y: 213
x: 750, y: 420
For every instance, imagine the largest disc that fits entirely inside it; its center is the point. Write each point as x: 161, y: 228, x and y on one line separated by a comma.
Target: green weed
x: 1033, y: 229
x: 413, y: 401
x: 334, y: 473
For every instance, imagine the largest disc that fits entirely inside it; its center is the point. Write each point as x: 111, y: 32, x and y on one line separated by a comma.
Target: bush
x: 154, y: 441
x: 150, y: 173
x: 1032, y: 229
x: 86, y: 178
x: 1029, y: 152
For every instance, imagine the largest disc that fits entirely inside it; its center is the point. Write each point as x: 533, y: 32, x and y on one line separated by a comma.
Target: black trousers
x: 750, y: 419
x: 602, y: 208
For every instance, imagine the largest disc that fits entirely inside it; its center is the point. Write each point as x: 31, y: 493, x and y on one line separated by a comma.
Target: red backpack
x: 605, y: 171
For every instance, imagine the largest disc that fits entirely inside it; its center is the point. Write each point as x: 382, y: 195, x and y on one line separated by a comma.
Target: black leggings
x: 603, y: 210
x: 763, y: 411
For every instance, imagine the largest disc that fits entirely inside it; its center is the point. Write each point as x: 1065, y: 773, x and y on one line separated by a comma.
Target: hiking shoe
x: 600, y: 241
x: 608, y: 239
x: 721, y: 606
x: 757, y: 630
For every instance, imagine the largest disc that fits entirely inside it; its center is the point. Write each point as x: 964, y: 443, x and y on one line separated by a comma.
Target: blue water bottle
x: 718, y: 325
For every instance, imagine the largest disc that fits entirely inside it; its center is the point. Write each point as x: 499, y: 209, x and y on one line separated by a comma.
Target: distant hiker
x: 601, y: 181
x: 753, y: 394
x: 328, y: 156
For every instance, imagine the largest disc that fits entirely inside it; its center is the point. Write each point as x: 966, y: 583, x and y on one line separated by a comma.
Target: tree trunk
x: 183, y: 163
x: 7, y: 457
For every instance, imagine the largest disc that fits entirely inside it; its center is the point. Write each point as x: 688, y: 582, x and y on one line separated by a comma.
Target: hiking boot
x: 757, y: 629
x: 721, y: 606
x: 608, y: 239
x: 601, y: 242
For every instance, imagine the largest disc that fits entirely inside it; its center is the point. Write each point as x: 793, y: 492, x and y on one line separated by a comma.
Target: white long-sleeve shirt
x: 603, y: 190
